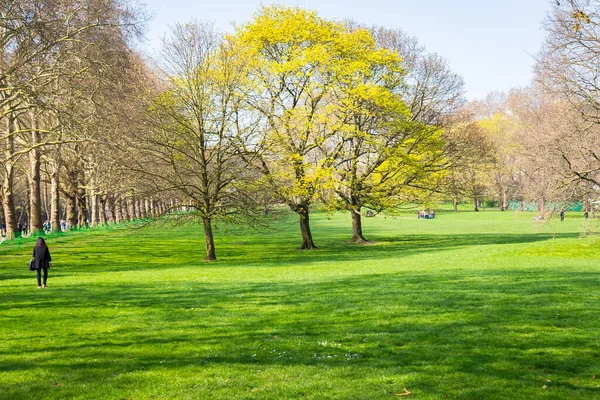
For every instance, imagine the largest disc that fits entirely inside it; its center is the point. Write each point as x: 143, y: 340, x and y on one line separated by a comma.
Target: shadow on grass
x: 524, y: 327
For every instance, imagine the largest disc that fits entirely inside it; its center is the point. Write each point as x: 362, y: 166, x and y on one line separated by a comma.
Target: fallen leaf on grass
x: 544, y: 387
x: 406, y: 393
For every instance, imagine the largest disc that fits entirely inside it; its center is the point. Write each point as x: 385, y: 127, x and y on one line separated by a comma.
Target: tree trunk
x: 110, y: 206
x: 72, y: 211
x: 134, y: 209
x: 307, y: 241
x: 357, y: 234
x: 2, y: 219
x: 94, y: 210
x: 141, y: 209
x: 475, y: 204
x: 46, y: 203
x: 102, y: 210
x: 454, y: 205
x: 504, y: 200
x: 81, y: 208
x: 93, y: 201
x: 125, y: 207
x: 210, y: 241
x: 35, y: 194
x: 8, y: 206
x: 54, y: 200
x: 147, y: 212
x: 130, y: 208
x: 8, y: 202
x: 118, y: 210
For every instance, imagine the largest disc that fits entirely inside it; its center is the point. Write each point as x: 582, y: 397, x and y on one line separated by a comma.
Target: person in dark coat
x: 41, y: 261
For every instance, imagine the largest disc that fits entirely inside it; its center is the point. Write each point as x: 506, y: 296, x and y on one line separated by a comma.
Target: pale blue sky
x: 491, y: 43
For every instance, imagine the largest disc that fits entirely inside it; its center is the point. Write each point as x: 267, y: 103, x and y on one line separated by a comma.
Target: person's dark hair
x: 40, y: 242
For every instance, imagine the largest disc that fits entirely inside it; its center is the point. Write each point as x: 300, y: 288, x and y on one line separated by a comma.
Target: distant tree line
x: 544, y: 140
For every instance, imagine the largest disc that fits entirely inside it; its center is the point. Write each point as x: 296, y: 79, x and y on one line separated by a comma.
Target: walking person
x: 41, y: 261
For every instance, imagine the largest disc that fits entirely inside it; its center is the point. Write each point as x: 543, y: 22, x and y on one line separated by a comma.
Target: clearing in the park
x: 487, y: 305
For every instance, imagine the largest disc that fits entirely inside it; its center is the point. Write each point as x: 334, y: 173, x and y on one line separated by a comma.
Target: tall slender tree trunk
x: 35, y: 194
x: 94, y: 213
x: 102, y: 209
x: 210, y: 241
x: 46, y: 203
x: 454, y: 205
x: 124, y: 205
x: 55, y: 199
x: 93, y: 201
x: 72, y: 210
x: 119, y: 217
x: 2, y: 219
x: 81, y: 208
x: 140, y: 208
x: 134, y: 208
x: 307, y: 240
x: 111, y: 210
x: 130, y: 208
x: 152, y: 208
x: 475, y: 204
x: 505, y: 198
x: 8, y: 202
x: 147, y: 210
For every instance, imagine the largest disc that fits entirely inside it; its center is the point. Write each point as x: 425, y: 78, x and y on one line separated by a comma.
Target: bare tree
x: 42, y: 41
x: 432, y: 91
x: 196, y: 147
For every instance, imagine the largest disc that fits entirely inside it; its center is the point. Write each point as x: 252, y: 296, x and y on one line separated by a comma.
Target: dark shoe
x: 45, y: 285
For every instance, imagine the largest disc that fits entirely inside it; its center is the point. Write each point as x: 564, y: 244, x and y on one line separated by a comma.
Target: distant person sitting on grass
x: 41, y: 261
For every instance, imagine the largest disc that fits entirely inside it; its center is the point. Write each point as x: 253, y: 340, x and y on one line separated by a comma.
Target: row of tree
x: 288, y: 110
x: 543, y: 140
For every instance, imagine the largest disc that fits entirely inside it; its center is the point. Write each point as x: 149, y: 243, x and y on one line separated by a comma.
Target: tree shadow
x: 424, y: 325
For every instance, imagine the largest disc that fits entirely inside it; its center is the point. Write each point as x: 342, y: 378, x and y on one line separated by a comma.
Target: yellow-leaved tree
x: 335, y: 119
x: 298, y: 64
x: 381, y: 156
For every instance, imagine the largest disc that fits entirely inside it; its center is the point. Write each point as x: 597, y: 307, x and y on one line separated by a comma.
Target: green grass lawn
x: 485, y: 305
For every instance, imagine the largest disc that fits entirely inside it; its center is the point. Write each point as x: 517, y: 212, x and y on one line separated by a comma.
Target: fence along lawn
x: 466, y: 306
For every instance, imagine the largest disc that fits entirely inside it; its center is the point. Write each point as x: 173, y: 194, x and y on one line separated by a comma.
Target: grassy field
x: 470, y: 305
